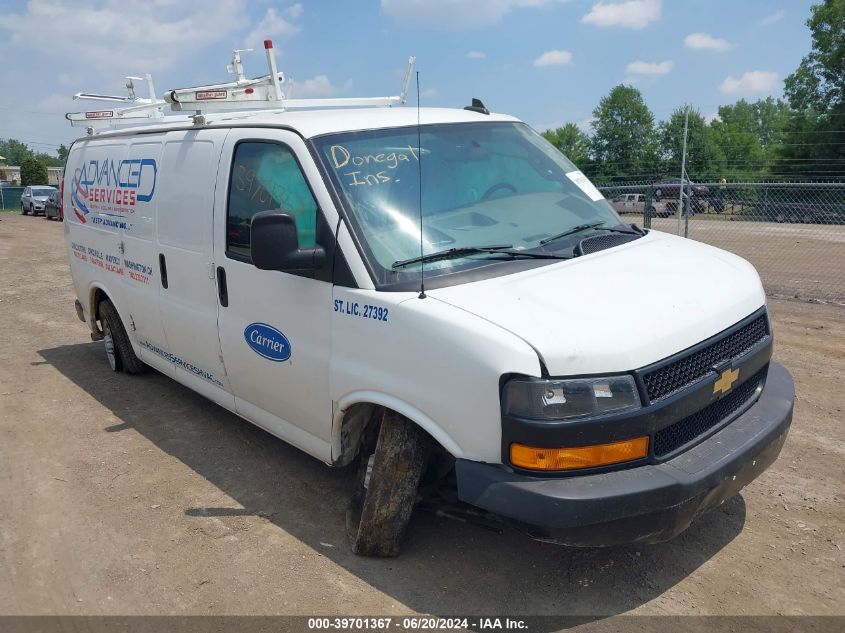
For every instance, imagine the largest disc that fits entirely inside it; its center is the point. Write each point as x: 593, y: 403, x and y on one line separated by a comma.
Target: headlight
x: 570, y: 399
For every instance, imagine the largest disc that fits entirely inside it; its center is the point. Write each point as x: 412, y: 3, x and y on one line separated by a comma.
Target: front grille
x: 677, y: 435
x: 601, y: 242
x: 664, y: 381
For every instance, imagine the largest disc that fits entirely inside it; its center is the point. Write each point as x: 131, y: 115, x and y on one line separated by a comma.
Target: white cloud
x: 429, y: 93
x: 274, y: 25
x: 630, y: 14
x: 650, y: 69
x: 553, y: 125
x: 554, y: 58
x: 703, y: 41
x: 317, y: 87
x: 456, y: 14
x: 771, y: 19
x: 752, y: 81
x: 586, y: 125
x: 161, y: 34
x: 56, y: 103
x: 476, y: 55
x: 293, y: 11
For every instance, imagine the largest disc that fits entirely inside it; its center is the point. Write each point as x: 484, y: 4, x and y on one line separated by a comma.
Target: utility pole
x: 683, y: 174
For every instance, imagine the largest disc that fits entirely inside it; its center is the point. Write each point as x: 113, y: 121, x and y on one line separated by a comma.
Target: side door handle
x: 162, y: 266
x: 222, y: 289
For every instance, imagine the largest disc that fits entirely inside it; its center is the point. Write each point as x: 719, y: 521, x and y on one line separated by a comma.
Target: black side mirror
x: 275, y: 244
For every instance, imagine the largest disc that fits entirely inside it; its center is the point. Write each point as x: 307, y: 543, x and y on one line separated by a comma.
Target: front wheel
x: 23, y: 209
x: 388, y: 479
x: 119, y: 350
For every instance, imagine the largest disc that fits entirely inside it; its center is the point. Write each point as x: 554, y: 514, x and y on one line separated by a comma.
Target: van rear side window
x: 267, y: 176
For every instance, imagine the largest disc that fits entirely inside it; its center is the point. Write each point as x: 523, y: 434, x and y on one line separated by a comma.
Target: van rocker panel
x: 650, y: 503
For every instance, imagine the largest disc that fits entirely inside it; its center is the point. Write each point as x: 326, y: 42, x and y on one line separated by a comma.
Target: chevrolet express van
x: 437, y: 298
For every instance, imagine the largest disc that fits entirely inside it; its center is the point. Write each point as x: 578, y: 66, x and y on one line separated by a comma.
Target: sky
x: 547, y: 62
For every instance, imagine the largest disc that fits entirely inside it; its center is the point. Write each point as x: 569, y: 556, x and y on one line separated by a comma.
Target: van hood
x: 618, y: 309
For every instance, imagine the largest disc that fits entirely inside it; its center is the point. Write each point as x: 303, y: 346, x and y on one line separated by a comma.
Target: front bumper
x: 650, y: 503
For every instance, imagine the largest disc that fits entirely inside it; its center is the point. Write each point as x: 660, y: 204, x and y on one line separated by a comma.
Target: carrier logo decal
x: 267, y: 341
x: 112, y: 187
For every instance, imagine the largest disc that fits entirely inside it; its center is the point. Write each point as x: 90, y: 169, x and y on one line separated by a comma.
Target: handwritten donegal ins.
x: 385, y: 162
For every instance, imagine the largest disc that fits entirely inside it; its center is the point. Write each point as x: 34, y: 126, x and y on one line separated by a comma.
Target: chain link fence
x: 793, y: 233
x: 10, y: 198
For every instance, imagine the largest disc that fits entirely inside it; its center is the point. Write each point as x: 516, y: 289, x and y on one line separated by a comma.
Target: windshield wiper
x: 583, y: 227
x: 575, y: 229
x: 463, y: 251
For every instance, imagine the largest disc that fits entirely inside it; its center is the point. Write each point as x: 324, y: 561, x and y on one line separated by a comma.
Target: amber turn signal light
x: 532, y: 458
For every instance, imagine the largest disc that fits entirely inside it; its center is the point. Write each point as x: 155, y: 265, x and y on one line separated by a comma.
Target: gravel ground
x: 125, y: 495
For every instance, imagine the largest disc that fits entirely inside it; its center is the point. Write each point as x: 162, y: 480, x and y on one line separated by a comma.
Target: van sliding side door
x: 185, y: 259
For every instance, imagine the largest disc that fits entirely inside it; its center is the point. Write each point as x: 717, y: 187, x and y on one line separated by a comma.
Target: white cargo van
x: 554, y: 366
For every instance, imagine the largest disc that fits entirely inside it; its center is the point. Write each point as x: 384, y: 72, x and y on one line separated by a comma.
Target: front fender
x: 395, y: 404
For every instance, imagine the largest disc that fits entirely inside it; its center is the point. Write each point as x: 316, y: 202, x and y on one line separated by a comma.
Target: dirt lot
x: 123, y: 495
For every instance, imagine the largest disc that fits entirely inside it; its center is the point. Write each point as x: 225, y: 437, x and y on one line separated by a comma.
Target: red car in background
x: 671, y: 188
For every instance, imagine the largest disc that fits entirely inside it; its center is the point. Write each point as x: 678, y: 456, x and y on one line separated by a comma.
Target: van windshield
x: 496, y: 183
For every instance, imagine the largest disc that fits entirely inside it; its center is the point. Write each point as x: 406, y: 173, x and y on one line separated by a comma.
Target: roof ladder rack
x: 267, y: 93
x: 140, y: 110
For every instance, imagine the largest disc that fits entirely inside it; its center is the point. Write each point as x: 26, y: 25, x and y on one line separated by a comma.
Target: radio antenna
x: 419, y: 170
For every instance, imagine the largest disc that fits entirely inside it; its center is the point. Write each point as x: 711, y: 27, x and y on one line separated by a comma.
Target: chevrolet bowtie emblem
x: 726, y: 381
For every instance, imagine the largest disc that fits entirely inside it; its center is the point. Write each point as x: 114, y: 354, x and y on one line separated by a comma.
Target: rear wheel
x: 388, y: 478
x: 119, y: 350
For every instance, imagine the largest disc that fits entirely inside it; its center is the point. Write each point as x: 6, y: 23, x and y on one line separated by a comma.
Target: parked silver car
x: 34, y: 199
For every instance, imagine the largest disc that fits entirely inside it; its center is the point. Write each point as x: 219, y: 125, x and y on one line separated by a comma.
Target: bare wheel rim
x: 108, y: 339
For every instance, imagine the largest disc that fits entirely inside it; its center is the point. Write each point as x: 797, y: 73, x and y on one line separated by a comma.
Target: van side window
x: 267, y: 176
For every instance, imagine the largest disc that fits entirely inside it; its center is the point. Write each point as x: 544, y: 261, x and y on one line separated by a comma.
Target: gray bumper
x: 649, y: 503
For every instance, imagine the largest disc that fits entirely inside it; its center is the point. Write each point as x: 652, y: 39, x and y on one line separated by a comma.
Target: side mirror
x: 275, y: 244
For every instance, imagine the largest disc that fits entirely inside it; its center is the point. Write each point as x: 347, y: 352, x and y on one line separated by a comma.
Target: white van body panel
x: 113, y: 245
x: 674, y: 293
x: 185, y: 213
x: 140, y: 259
x: 421, y: 339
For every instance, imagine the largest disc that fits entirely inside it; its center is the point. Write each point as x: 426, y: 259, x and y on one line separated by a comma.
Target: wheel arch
x: 97, y: 292
x: 355, y: 411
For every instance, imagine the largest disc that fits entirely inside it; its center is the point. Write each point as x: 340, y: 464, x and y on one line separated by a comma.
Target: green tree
x: 624, y: 144
x: 33, y: 172
x: 572, y: 143
x: 63, y: 152
x: 749, y: 135
x: 815, y: 136
x: 14, y: 151
x: 49, y: 161
x: 705, y: 160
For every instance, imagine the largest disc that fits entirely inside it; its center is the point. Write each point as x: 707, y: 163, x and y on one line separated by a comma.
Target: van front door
x: 274, y: 326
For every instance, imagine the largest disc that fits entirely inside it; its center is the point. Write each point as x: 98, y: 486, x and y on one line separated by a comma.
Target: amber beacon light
x: 532, y: 458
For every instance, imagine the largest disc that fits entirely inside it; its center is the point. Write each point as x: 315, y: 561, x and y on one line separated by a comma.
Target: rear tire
x: 119, y: 350
x: 388, y: 478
